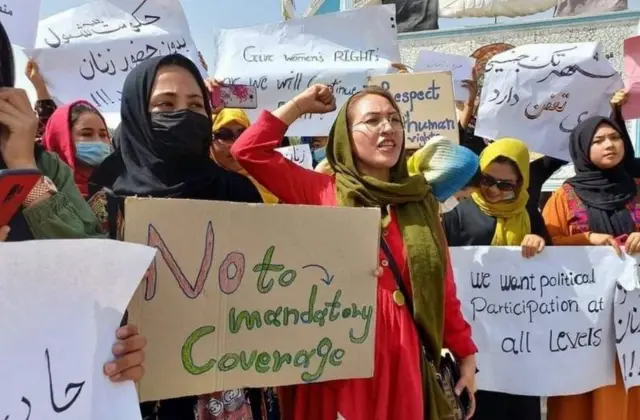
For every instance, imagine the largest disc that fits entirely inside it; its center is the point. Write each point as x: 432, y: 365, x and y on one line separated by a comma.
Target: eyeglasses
x: 375, y: 123
x: 489, y: 181
x: 226, y: 135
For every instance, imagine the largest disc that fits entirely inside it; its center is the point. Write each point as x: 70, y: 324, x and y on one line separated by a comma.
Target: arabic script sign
x: 539, y: 93
x: 298, y: 153
x: 20, y: 21
x: 87, y: 52
x: 57, y: 334
x: 627, y: 323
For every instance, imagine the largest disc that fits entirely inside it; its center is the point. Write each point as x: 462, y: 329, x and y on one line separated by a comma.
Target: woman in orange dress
x: 598, y: 206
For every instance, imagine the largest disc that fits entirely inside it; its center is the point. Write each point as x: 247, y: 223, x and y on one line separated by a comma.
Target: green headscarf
x: 417, y: 212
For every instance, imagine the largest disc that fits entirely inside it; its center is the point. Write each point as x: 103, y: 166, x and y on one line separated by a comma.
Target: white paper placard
x: 539, y: 93
x: 626, y: 316
x: 538, y: 322
x: 86, y: 52
x: 58, y: 316
x: 283, y: 59
x: 20, y: 19
x: 460, y: 66
x: 298, y: 153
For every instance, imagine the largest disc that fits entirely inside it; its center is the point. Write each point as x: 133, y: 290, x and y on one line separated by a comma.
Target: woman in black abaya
x: 163, y: 139
x: 162, y: 150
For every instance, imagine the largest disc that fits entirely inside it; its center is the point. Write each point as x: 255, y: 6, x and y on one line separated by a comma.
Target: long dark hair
x: 7, y: 73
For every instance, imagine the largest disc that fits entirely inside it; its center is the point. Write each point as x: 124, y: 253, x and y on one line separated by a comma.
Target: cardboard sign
x: 247, y: 295
x: 427, y: 105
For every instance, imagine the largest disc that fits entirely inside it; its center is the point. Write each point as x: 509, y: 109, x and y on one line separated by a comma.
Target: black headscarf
x: 7, y: 73
x: 605, y: 193
x: 136, y: 169
x: 19, y: 228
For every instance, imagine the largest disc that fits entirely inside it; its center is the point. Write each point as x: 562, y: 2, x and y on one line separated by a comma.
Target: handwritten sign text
x: 426, y: 102
x: 261, y: 302
x: 539, y: 93
x: 283, y: 59
x: 546, y: 318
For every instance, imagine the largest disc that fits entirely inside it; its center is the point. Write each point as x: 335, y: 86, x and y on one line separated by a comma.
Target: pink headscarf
x: 57, y: 139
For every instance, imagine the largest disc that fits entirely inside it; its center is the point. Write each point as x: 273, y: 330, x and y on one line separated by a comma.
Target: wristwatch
x: 43, y: 187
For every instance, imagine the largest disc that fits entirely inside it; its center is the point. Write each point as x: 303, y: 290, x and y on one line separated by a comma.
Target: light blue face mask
x: 92, y: 153
x: 318, y: 155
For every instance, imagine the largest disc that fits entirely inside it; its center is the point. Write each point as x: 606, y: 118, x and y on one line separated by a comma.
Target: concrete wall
x: 609, y: 29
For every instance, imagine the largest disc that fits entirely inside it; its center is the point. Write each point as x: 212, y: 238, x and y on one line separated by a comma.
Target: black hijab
x: 7, y: 73
x: 19, y: 228
x: 605, y: 193
x: 136, y: 169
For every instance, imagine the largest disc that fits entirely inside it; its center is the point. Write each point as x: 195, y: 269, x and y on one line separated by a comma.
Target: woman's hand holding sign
x: 632, y: 245
x: 129, y: 353
x: 532, y: 245
x: 18, y: 129
x: 4, y: 232
x: 467, y: 382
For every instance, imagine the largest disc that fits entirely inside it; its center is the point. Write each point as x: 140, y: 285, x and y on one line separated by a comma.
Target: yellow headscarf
x: 512, y: 218
x: 229, y: 115
x: 324, y: 168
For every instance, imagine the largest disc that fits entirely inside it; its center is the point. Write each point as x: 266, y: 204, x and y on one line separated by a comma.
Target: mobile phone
x: 15, y: 186
x: 235, y: 96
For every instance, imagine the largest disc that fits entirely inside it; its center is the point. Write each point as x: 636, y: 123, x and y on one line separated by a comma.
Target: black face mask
x: 181, y: 134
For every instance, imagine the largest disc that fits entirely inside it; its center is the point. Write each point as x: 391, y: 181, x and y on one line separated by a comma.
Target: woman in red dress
x: 366, y: 153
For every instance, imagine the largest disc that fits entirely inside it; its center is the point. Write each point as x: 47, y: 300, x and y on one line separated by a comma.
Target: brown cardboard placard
x: 427, y: 105
x: 280, y: 264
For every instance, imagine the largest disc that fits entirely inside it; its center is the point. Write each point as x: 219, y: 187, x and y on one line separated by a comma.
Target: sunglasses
x: 224, y: 134
x: 489, y: 181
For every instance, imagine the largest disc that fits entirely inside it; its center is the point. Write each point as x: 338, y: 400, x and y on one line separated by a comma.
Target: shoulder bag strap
x: 408, y: 301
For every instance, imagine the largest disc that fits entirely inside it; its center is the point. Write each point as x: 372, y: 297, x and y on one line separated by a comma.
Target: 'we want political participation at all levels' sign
x: 86, y: 52
x: 539, y: 93
x: 283, y: 59
x: 261, y: 302
x: 543, y: 326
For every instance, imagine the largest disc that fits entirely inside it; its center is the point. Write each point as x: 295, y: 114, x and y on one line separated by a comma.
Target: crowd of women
x: 170, y: 143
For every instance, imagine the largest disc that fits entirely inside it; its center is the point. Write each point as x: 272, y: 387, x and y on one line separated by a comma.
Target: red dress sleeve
x: 457, y: 332
x: 291, y: 183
